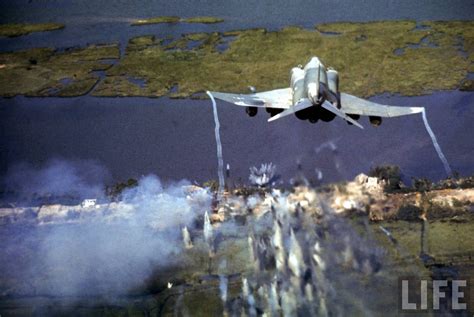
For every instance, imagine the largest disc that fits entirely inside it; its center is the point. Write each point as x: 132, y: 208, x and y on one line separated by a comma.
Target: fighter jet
x: 314, y: 95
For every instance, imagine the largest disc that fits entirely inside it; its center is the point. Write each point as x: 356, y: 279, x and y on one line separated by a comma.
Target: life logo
x: 443, y: 296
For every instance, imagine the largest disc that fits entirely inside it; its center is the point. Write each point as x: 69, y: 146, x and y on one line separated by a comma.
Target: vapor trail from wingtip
x: 220, y: 160
x: 443, y: 159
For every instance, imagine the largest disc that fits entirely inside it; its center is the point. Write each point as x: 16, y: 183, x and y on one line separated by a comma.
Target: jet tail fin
x: 326, y: 105
x: 303, y: 104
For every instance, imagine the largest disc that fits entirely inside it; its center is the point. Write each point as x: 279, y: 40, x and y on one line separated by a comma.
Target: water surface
x: 175, y: 138
x: 105, y: 21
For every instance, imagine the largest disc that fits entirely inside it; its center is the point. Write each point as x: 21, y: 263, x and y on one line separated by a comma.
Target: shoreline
x: 145, y: 67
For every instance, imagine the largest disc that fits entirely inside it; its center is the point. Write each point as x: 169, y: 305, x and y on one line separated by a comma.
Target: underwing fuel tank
x: 297, y: 84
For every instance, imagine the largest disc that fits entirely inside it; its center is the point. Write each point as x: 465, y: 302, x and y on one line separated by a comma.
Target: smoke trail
x: 443, y: 159
x: 57, y: 177
x: 207, y: 229
x: 107, y: 250
x: 220, y: 161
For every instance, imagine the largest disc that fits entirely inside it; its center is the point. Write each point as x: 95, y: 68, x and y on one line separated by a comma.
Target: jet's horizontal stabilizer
x: 326, y: 105
x: 303, y: 104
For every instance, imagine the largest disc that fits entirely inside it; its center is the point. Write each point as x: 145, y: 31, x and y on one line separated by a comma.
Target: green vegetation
x: 46, y: 72
x: 409, y: 212
x: 13, y: 30
x: 450, y: 237
x: 422, y: 185
x: 175, y: 19
x: 205, y: 20
x: 456, y: 182
x: 363, y: 53
x: 116, y: 190
x: 390, y: 174
x: 425, y: 185
x: 446, y: 239
x: 467, y: 85
x: 212, y: 184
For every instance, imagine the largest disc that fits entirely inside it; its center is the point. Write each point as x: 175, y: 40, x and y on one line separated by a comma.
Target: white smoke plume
x: 295, y: 256
x: 112, y: 253
x: 310, y: 260
x: 188, y: 244
x: 262, y: 176
x: 209, y: 235
x: 58, y: 178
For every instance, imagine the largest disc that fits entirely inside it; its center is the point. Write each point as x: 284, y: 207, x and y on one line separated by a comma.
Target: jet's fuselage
x: 314, y: 82
x: 314, y: 95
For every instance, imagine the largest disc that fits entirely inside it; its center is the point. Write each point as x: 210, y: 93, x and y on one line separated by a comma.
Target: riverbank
x: 206, y: 270
x: 372, y: 58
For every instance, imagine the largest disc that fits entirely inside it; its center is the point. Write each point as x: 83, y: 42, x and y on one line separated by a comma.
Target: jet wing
x: 279, y: 98
x: 354, y: 105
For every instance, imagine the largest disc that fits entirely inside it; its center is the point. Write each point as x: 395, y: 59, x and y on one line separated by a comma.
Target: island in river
x: 373, y: 58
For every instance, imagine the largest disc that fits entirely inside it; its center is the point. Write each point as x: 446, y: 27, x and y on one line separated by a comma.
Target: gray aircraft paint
x: 307, y: 89
x: 315, y: 91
